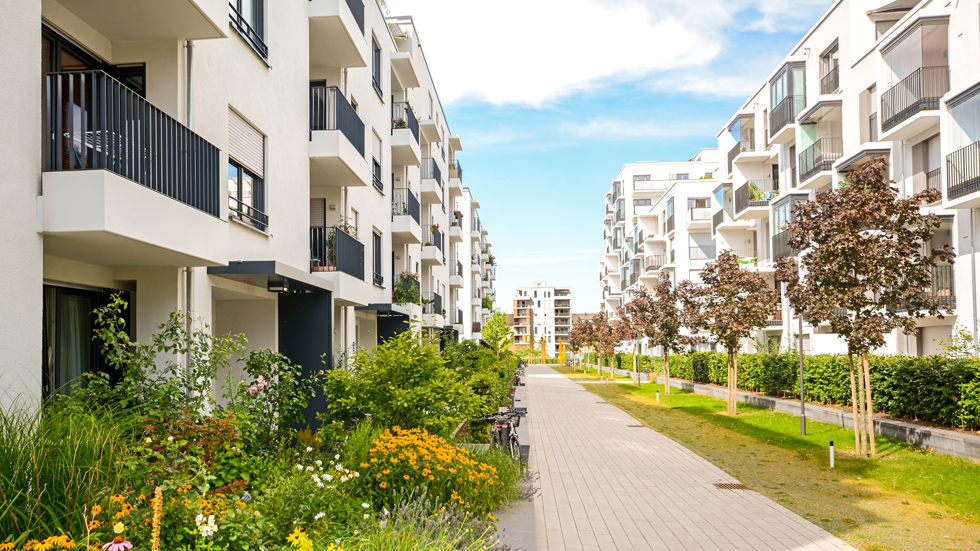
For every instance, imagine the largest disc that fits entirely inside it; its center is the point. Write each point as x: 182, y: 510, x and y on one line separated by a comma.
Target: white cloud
x: 615, y: 129
x: 535, y: 52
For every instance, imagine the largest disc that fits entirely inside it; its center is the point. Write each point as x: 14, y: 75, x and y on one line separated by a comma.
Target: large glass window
x: 376, y: 68
x: 924, y: 46
x: 964, y: 124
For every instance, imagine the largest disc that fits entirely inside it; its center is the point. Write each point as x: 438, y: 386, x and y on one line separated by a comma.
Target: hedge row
x: 933, y: 388
x: 625, y: 361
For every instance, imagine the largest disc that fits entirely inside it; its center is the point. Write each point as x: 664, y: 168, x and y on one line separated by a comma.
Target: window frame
x: 258, y: 218
x: 253, y: 32
x: 376, y: 73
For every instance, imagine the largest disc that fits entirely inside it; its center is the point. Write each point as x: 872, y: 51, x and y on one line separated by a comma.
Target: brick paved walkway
x: 602, y: 485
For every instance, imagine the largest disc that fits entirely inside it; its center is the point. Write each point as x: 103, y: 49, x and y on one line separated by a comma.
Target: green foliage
x: 933, y: 388
x: 401, y: 382
x: 496, y: 332
x: 407, y: 289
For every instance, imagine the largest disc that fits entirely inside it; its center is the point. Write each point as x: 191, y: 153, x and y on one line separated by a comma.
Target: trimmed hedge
x: 933, y: 388
x: 625, y: 361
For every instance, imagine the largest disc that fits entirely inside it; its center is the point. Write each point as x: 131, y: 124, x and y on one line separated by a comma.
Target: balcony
x: 817, y: 161
x: 701, y: 253
x: 432, y: 246
x: 336, y: 140
x: 430, y: 129
x: 476, y: 328
x: 405, y: 150
x: 125, y: 184
x: 456, y: 275
x: 830, y: 83
x: 405, y: 216
x: 963, y: 177
x: 128, y: 21
x: 753, y: 197
x: 670, y: 223
x: 783, y: 116
x: 780, y: 245
x: 725, y: 219
x: 912, y: 106
x: 432, y: 303
x: 873, y: 127
x: 698, y: 217
x: 456, y: 227
x: 337, y: 33
x: 334, y: 250
x: 455, y: 178
x: 431, y: 182
x: 744, y: 146
x: 775, y: 318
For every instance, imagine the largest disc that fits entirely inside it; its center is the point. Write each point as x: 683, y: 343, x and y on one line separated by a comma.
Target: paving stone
x: 597, y: 492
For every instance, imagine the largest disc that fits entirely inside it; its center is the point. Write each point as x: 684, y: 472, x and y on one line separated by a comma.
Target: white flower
x: 318, y: 462
x: 148, y: 440
x: 318, y: 516
x: 199, y: 519
x: 339, y: 467
x: 308, y: 449
x: 327, y: 477
x: 357, y: 474
x: 356, y: 532
x: 367, y: 515
x: 309, y: 469
x: 337, y: 457
x: 343, y: 479
x: 365, y: 505
x: 299, y: 467
x: 170, y: 439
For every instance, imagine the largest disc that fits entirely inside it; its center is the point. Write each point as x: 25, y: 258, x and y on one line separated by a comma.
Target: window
x: 376, y: 69
x: 536, y: 295
x: 681, y: 176
x: 376, y: 164
x: 642, y: 202
x: 539, y: 303
x: 245, y: 196
x: 642, y: 178
x: 248, y: 18
x: 355, y: 220
x: 379, y: 279
x: 828, y: 70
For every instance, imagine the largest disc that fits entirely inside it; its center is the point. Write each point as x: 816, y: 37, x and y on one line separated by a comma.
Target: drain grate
x: 602, y: 402
x: 635, y: 426
x: 730, y: 486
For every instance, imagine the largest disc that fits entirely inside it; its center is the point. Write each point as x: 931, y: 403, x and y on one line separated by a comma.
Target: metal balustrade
x: 94, y: 122
x: 432, y: 236
x: 963, y: 171
x: 402, y: 116
x: 333, y: 250
x: 920, y: 91
x: 830, y: 82
x: 455, y: 170
x: 785, y: 112
x: 701, y: 253
x: 405, y: 203
x: 934, y: 180
x: 755, y: 193
x: 329, y: 110
x: 431, y: 171
x: 431, y: 303
x: 780, y: 245
x: 820, y: 157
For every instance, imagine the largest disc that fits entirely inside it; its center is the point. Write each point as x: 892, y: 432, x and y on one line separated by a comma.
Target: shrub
x: 402, y: 382
x: 401, y: 461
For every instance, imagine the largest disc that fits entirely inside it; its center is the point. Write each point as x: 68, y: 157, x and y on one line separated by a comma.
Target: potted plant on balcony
x: 406, y: 289
x: 399, y: 123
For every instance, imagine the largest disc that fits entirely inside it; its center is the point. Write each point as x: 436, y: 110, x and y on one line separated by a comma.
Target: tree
x: 660, y: 319
x: 730, y: 304
x: 496, y: 332
x: 578, y: 336
x: 864, y: 271
x: 630, y: 329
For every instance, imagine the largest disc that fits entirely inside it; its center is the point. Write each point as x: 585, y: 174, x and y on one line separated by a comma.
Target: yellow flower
x: 96, y: 509
x: 6, y: 546
x: 118, y: 527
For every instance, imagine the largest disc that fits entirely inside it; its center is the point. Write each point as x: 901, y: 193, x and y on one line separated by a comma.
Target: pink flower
x: 253, y: 390
x: 117, y: 544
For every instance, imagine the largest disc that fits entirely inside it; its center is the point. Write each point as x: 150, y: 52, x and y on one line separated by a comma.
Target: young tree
x: 604, y: 339
x: 660, y: 319
x: 578, y: 337
x: 864, y: 271
x: 629, y: 328
x: 496, y: 332
x: 730, y: 304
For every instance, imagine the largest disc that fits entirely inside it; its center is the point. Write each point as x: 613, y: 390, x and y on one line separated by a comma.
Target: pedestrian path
x: 608, y: 486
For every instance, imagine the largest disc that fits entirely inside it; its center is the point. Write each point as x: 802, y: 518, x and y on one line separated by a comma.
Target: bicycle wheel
x: 515, y: 448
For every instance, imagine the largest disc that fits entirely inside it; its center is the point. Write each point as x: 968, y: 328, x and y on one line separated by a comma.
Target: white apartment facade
x: 542, y: 314
x: 241, y: 162
x: 871, y: 78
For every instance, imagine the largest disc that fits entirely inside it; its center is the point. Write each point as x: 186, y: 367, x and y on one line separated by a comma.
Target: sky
x: 551, y: 99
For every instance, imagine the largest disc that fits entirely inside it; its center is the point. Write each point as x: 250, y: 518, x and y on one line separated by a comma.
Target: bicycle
x: 504, y: 432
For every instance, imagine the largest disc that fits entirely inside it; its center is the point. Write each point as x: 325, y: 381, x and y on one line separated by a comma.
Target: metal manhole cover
x: 730, y: 486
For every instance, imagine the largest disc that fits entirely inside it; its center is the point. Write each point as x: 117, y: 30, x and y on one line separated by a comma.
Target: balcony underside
x: 334, y: 161
x: 818, y: 180
x: 432, y: 255
x: 347, y: 289
x: 404, y: 229
x: 753, y: 212
x: 129, y: 20
x: 456, y: 234
x: 99, y: 217
x: 918, y: 123
x: 404, y: 69
x: 431, y: 192
x: 455, y: 187
x: 335, y: 38
x: 429, y: 129
x: 455, y: 281
x: 785, y: 135
x: 405, y: 150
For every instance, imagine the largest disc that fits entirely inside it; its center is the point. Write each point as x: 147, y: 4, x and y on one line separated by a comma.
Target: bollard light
x: 831, y: 454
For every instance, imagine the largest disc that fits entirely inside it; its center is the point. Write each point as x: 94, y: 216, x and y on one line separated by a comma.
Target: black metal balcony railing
x: 820, y: 157
x: 459, y: 317
x: 405, y: 203
x: 250, y: 35
x: 620, y: 215
x: 963, y: 171
x: 920, y: 91
x: 455, y: 170
x: 357, y: 10
x: 333, y: 250
x: 830, y: 82
x: 247, y: 213
x: 329, y: 110
x: 702, y: 253
x: 430, y: 171
x: 431, y: 236
x: 95, y: 122
x: 934, y: 180
x: 780, y: 245
x: 755, y: 193
x: 775, y: 318
x: 457, y: 219
x: 873, y: 127
x: 459, y: 268
x: 431, y: 303
x: 785, y: 112
x: 402, y: 116
x: 379, y: 279
x: 670, y: 224
x: 717, y: 219
x: 941, y: 289
x: 654, y: 262
x: 475, y: 224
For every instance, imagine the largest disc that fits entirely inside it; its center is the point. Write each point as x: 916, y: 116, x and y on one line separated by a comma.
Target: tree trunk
x: 666, y: 370
x: 861, y: 410
x: 854, y: 404
x: 734, y: 383
x: 870, y: 414
x: 636, y: 369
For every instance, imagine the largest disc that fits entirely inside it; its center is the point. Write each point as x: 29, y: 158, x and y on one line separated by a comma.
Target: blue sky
x: 551, y: 98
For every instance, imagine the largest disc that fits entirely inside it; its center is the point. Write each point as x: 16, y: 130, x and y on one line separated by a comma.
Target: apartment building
x: 897, y: 79
x: 658, y: 218
x: 322, y: 117
x: 542, y: 313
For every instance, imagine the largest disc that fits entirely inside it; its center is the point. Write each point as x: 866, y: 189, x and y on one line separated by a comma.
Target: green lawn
x: 579, y: 373
x: 907, y: 498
